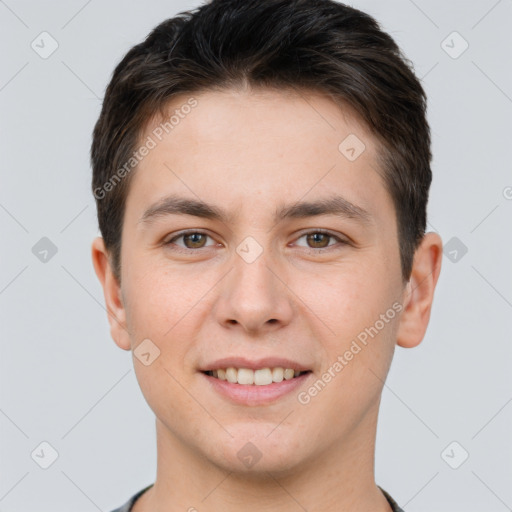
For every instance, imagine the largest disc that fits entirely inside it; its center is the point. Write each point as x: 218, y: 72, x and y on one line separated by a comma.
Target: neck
x: 340, y: 479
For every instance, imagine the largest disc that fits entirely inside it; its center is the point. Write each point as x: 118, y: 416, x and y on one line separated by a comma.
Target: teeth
x: 231, y: 375
x: 262, y: 377
x: 288, y: 374
x: 245, y: 376
x: 277, y: 374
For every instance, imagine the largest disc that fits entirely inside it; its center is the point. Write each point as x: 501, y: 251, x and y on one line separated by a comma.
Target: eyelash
x: 314, y: 249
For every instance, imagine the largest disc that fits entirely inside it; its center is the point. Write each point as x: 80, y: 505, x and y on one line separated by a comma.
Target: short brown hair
x: 318, y: 45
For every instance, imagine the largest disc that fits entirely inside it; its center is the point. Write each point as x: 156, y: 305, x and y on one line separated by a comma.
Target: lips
x: 255, y: 364
x: 256, y: 395
x: 256, y: 381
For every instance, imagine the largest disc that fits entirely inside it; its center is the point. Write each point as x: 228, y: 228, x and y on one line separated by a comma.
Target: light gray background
x: 64, y: 381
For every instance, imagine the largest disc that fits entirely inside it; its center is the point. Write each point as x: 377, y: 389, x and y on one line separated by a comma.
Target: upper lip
x: 254, y: 364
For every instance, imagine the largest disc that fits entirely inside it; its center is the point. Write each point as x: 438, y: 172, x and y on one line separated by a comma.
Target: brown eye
x: 318, y: 240
x: 197, y: 240
x: 191, y: 240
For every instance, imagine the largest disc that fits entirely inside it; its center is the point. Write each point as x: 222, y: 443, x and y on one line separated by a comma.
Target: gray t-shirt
x: 127, y: 507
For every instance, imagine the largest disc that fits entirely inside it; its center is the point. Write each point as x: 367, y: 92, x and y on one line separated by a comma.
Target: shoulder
x: 129, y: 504
x: 391, y: 501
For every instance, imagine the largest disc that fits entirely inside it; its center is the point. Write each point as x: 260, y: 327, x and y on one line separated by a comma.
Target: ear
x: 112, y: 292
x: 419, y: 291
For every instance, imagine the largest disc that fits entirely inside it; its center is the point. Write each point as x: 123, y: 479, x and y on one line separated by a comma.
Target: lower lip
x: 253, y: 394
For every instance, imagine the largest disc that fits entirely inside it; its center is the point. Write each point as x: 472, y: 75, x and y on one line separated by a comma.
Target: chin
x: 260, y: 451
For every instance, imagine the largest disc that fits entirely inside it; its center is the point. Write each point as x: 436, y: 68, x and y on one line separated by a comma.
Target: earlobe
x: 116, y: 311
x: 419, y: 292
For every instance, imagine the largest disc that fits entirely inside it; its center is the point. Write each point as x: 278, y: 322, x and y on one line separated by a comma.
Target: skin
x: 250, y: 152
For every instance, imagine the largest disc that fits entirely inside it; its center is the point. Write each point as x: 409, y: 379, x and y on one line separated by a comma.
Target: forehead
x: 264, y: 142
x: 284, y: 113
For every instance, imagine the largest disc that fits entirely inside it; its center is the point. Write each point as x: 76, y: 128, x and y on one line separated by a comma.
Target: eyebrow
x: 333, y: 205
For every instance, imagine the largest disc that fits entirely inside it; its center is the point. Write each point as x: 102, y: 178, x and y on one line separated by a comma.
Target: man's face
x: 252, y: 286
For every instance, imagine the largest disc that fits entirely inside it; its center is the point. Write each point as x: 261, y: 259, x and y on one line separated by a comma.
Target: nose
x: 254, y: 296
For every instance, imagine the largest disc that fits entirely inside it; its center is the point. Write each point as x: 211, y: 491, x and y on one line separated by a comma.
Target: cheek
x: 168, y: 308
x: 160, y: 297
x: 161, y: 310
x: 163, y: 389
x: 349, y: 297
x: 356, y: 311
